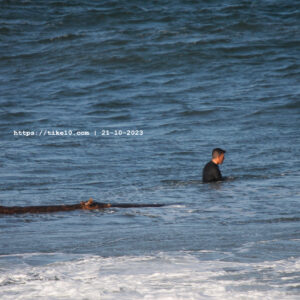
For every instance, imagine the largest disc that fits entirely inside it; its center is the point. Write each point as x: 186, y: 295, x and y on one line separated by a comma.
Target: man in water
x: 211, y: 171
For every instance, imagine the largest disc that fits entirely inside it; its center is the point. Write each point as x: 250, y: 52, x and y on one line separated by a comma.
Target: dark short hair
x: 217, y: 151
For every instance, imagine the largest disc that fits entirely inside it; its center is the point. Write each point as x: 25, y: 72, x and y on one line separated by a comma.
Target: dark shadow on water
x: 195, y: 182
x: 180, y: 182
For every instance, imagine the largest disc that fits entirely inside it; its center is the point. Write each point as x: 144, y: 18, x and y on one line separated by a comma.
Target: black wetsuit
x: 211, y: 172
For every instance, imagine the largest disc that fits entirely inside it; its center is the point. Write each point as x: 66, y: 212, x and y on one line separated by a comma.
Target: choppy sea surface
x: 139, y: 93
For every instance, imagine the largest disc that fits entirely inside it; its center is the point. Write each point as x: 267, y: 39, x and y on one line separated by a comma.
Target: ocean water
x: 123, y: 101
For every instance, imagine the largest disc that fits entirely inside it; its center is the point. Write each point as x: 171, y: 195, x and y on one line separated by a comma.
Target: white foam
x: 161, y: 276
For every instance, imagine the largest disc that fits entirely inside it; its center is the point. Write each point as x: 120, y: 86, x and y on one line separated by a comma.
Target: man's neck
x: 215, y: 160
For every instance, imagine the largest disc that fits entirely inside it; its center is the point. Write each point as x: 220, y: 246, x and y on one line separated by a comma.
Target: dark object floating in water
x: 88, y: 205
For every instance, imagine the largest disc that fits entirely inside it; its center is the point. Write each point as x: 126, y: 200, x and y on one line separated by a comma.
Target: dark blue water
x: 151, y: 87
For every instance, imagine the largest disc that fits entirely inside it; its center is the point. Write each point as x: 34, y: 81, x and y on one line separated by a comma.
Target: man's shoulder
x: 210, y: 164
x: 206, y: 165
x: 209, y: 168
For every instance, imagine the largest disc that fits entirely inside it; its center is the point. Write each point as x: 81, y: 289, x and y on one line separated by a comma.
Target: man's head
x: 218, y: 155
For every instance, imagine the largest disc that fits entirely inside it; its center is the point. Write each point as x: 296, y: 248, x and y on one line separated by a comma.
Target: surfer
x: 211, y: 171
